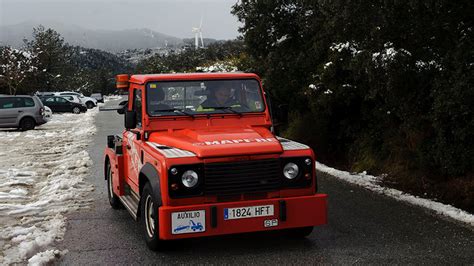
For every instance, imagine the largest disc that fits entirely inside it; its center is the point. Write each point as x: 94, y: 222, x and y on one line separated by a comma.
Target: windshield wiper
x: 175, y: 111
x: 224, y: 108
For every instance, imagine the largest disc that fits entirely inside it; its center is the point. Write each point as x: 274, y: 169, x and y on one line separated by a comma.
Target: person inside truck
x: 220, y: 97
x: 158, y: 95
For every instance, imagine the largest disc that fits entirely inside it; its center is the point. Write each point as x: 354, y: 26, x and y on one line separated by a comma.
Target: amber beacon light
x: 122, y: 81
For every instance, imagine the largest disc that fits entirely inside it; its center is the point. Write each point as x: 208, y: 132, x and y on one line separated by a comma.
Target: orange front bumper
x: 291, y: 213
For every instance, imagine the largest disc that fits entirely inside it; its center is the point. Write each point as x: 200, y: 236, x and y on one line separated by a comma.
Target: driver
x: 220, y: 97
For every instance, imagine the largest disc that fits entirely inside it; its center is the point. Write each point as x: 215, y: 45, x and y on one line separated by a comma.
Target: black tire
x: 149, y: 217
x: 113, y: 199
x: 90, y: 105
x: 76, y: 110
x: 301, y: 232
x: 27, y: 123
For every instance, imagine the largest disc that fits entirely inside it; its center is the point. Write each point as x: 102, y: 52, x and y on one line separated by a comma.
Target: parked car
x: 88, y: 101
x: 73, y: 98
x: 21, y: 111
x: 44, y: 93
x: 60, y: 104
x: 98, y: 97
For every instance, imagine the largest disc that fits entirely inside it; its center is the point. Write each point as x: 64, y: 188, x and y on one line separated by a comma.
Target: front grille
x: 239, y: 177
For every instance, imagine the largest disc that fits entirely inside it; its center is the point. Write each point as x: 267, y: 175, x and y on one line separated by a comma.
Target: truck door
x: 132, y: 143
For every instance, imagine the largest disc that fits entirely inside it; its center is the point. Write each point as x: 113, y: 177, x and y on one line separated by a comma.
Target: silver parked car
x: 21, y: 111
x: 98, y: 97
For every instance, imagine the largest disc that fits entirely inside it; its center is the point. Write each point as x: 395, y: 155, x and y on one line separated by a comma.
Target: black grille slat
x: 243, y: 183
x: 240, y: 165
x: 239, y: 190
x: 240, y: 171
x: 241, y: 168
x: 239, y: 177
x: 242, y: 178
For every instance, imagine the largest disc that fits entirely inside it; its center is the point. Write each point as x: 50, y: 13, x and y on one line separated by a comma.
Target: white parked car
x: 73, y: 98
x: 88, y: 101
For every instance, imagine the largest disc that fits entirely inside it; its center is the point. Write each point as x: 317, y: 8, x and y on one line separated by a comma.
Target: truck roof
x: 142, y: 79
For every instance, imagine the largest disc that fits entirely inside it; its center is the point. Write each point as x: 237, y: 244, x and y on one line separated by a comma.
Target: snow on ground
x: 371, y: 183
x: 42, y: 174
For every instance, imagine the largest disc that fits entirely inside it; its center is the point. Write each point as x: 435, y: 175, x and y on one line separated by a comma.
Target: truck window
x: 206, y: 96
x: 137, y: 105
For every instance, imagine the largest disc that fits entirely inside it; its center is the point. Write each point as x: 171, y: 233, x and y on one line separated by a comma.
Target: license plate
x: 188, y: 222
x: 248, y: 212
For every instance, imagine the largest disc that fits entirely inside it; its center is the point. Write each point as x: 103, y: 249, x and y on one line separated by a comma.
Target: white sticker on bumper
x: 188, y: 222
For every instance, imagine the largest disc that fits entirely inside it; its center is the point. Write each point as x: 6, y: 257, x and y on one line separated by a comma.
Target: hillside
x: 108, y: 40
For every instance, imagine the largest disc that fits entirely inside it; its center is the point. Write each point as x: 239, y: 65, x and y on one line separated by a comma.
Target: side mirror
x: 270, y: 109
x: 130, y: 119
x: 123, y: 105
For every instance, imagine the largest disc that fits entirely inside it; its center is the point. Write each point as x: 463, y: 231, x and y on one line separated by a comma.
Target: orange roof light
x: 122, y: 81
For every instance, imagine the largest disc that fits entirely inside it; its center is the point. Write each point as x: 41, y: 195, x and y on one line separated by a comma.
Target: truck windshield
x: 203, y: 97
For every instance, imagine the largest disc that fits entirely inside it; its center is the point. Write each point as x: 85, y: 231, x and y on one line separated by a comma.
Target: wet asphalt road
x: 364, y: 227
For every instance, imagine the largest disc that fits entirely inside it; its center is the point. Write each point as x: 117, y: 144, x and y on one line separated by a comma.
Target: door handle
x: 20, y: 111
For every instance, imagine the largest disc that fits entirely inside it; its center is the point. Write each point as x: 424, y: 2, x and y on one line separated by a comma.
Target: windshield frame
x: 208, y: 113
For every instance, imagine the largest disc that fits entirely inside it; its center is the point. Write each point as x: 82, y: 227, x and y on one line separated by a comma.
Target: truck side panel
x: 117, y: 165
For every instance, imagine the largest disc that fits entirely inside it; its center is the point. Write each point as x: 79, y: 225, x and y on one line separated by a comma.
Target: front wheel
x: 149, y: 217
x: 76, y: 110
x: 113, y: 199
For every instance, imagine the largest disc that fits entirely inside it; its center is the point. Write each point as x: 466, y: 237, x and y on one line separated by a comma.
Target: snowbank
x: 42, y: 174
x: 370, y: 182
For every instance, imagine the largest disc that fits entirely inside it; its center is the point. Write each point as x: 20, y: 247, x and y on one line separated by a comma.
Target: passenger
x: 156, y: 100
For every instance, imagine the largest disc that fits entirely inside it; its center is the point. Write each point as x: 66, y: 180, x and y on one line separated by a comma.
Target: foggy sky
x: 173, y: 17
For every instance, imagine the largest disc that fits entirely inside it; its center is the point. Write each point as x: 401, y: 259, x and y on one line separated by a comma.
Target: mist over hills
x: 108, y: 40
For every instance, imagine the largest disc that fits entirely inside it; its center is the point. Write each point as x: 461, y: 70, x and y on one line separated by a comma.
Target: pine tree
x: 52, y: 58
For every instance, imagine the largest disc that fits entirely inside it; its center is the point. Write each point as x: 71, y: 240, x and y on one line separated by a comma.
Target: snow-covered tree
x: 15, y: 66
x: 52, y: 56
x: 220, y: 66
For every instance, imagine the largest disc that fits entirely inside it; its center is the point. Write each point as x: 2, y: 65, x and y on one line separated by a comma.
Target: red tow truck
x: 198, y: 158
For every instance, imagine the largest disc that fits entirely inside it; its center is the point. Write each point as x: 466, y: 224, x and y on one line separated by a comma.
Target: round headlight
x: 291, y: 170
x: 189, y: 178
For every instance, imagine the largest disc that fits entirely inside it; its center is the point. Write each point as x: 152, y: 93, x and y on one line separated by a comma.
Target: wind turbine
x: 197, y: 35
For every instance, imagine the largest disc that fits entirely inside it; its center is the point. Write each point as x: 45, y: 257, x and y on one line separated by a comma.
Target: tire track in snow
x: 42, y: 177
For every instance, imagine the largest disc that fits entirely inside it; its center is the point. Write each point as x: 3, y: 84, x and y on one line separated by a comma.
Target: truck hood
x: 219, y: 142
